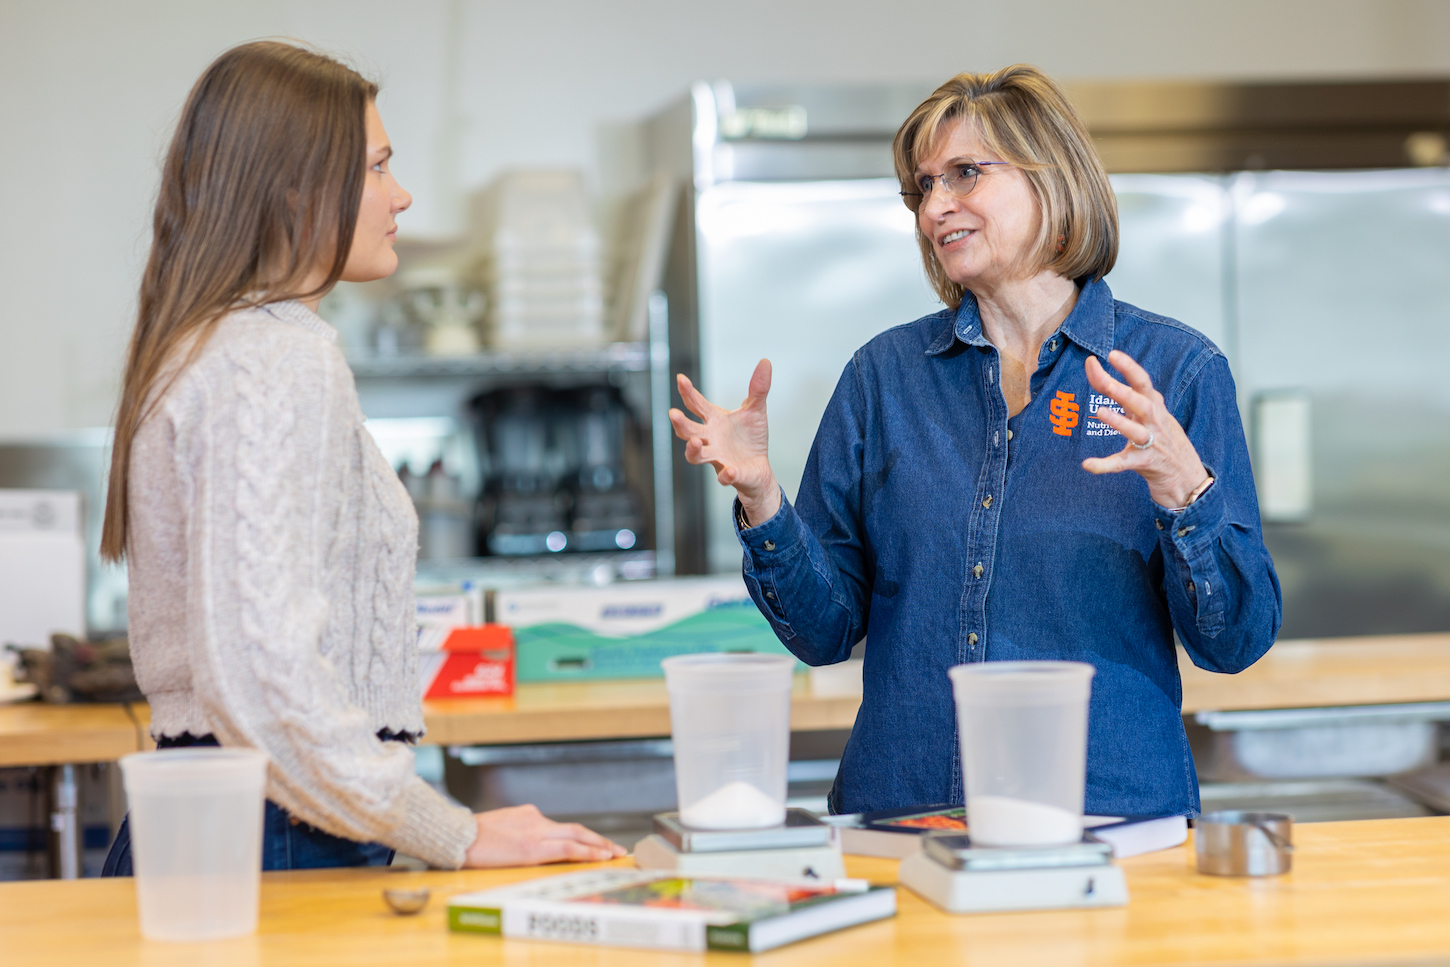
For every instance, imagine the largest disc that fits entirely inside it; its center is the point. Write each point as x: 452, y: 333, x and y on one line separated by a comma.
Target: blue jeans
x: 286, y: 843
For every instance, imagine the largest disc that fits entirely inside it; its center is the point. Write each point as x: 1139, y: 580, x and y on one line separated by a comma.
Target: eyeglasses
x: 958, y: 182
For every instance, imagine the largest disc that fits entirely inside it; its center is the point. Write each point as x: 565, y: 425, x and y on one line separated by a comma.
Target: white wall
x: 89, y: 90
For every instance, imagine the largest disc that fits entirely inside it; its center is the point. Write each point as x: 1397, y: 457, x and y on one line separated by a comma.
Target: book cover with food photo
x: 638, y: 908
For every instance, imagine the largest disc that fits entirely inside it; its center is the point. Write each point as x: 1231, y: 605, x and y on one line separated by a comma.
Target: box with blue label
x: 623, y: 630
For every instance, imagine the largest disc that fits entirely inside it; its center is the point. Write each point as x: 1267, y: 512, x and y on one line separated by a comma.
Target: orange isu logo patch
x: 1064, y: 413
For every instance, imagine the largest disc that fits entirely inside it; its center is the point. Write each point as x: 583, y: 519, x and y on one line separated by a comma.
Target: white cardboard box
x: 42, y: 566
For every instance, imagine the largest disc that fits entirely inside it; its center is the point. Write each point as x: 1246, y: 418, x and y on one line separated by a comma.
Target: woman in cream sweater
x: 270, y: 546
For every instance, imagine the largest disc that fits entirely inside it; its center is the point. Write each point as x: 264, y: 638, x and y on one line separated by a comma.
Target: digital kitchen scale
x: 800, y: 848
x: 962, y: 877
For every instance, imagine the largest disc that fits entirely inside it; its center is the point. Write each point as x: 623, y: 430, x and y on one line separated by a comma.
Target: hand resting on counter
x: 523, y: 836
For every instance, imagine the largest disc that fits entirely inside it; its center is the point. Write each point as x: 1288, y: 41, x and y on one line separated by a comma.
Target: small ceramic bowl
x: 405, y: 903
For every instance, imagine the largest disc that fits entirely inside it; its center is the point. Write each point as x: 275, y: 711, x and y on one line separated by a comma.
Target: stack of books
x: 897, y: 833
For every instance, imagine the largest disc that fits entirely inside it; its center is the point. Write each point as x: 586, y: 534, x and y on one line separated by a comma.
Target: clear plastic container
x: 196, y: 840
x: 540, y: 261
x: 1023, y: 727
x: 730, y: 719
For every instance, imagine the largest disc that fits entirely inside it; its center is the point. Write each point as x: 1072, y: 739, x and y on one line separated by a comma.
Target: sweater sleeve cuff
x: 433, y: 829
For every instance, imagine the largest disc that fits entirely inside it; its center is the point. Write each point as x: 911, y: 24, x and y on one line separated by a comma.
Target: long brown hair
x: 1020, y: 114
x: 261, y: 185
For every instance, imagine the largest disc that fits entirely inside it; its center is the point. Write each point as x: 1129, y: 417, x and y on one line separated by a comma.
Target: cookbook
x: 660, y: 910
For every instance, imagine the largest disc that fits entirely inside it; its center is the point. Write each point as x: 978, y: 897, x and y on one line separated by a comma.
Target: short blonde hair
x: 1022, y: 116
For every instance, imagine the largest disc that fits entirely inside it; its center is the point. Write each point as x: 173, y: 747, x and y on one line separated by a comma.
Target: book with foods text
x: 641, y: 908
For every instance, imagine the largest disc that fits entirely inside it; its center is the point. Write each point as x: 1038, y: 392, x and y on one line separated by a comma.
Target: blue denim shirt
x: 943, y: 532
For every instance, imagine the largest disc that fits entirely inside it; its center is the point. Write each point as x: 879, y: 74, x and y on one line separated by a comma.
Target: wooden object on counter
x: 1327, y: 672
x: 1364, y: 893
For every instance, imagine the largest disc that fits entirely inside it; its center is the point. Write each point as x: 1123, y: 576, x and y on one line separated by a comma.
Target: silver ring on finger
x: 1144, y: 446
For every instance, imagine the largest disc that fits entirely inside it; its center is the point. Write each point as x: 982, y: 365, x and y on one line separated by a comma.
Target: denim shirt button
x: 988, y: 502
x: 972, y: 638
x: 1190, y: 587
x: 770, y: 545
x: 1183, y: 531
x: 1009, y: 434
x: 1157, y: 523
x: 977, y: 571
x: 770, y: 595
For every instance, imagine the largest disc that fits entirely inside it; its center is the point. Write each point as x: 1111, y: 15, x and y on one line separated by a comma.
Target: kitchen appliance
x: 606, y: 514
x: 524, y: 507
x: 42, y: 566
x: 558, y: 475
x: 78, y: 461
x: 961, y: 876
x: 801, y: 847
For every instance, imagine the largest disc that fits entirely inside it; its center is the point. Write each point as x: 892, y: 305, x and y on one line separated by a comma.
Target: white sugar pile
x: 1003, y: 821
x: 735, y: 805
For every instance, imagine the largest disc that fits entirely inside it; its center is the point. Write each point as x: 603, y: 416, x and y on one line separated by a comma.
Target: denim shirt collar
x: 1090, y: 324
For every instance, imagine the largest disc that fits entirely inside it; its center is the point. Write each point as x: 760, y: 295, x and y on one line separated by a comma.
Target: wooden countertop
x: 1361, y: 893
x: 32, y: 733
x: 1294, y: 674
x: 36, y: 734
x: 635, y: 708
x: 1327, y: 672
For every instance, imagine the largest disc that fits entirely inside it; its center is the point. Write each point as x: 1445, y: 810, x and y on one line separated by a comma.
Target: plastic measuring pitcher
x: 1023, y: 726
x: 730, y: 719
x: 196, y: 840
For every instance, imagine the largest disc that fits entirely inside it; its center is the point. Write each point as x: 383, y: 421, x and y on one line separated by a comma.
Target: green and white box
x: 624, y: 630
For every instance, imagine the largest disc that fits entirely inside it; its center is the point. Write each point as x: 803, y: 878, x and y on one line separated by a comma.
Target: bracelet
x: 740, y: 522
x: 1198, y: 492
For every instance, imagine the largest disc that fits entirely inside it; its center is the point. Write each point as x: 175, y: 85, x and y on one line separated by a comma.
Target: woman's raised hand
x: 1169, y: 462
x: 734, y: 442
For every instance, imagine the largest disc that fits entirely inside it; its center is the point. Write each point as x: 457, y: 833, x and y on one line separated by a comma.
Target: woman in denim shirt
x: 1036, y: 472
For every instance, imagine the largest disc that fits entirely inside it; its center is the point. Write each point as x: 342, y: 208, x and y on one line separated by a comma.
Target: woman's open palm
x: 734, y: 442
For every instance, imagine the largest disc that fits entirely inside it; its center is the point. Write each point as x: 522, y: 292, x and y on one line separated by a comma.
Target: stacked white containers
x: 540, y: 262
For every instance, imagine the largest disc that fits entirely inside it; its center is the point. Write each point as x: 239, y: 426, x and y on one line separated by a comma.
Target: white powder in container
x: 1004, y: 821
x: 735, y: 805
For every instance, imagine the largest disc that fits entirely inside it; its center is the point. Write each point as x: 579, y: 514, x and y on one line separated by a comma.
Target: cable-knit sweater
x: 271, y: 555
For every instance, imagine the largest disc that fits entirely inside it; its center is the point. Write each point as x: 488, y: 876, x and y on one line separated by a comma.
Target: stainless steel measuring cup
x: 1237, y: 843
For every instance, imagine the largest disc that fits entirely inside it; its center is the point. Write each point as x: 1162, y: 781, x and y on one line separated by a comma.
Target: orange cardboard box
x: 466, y: 662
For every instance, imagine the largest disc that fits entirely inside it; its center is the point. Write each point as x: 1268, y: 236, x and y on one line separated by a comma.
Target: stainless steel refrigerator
x: 1326, y: 288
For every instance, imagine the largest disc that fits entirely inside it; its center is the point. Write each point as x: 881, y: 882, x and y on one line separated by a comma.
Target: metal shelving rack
x: 443, y: 383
